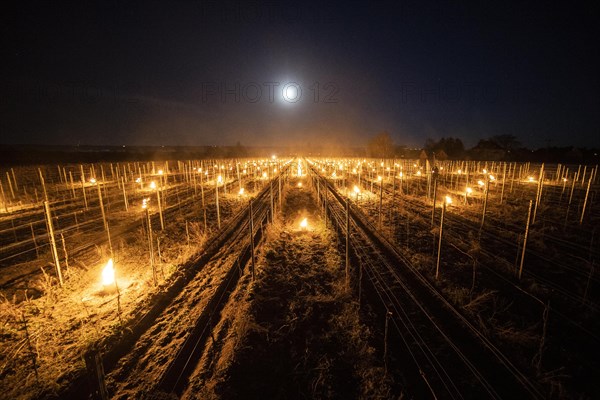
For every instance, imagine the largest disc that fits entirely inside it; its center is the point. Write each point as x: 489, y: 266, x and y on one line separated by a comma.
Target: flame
x: 108, y: 273
x: 304, y: 223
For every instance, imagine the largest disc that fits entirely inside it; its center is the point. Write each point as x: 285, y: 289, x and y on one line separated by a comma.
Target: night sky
x: 214, y: 73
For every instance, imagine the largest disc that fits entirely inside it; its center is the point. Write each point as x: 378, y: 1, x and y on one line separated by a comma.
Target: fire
x: 304, y: 223
x: 108, y: 273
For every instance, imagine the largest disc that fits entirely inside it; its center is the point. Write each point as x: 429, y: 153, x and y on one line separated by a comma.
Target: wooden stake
x: 388, y: 314
x: 64, y: 246
x: 251, y: 226
x: 43, y: 184
x: 12, y: 192
x: 37, y: 253
x: 101, y: 206
x: 587, y: 192
x: 439, y: 253
x: 525, y: 239
x: 217, y: 203
x: 53, y: 241
x: 83, y: 187
x: 348, y: 243
x: 124, y: 194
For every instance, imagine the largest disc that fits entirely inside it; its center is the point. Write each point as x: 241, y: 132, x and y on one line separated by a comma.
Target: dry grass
x: 63, y: 322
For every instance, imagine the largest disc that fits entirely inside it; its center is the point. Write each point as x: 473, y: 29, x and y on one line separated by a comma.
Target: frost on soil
x: 295, y: 331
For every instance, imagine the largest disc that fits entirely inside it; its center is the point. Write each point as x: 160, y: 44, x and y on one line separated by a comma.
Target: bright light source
x: 469, y: 190
x: 219, y: 179
x: 299, y: 184
x: 241, y: 192
x: 379, y: 178
x: 448, y: 200
x: 152, y: 185
x: 145, y: 203
x: 138, y: 180
x: 273, y: 156
x: 492, y: 178
x: 418, y: 173
x: 265, y: 175
x: 400, y: 174
x: 564, y: 179
x: 356, y: 189
x: 485, y: 171
x: 530, y: 179
x: 160, y: 172
x: 108, y: 273
x: 480, y: 183
x: 93, y: 180
x: 304, y: 223
x: 459, y: 171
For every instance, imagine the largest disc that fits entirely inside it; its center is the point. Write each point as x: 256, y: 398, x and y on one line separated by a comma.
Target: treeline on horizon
x: 495, y: 148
